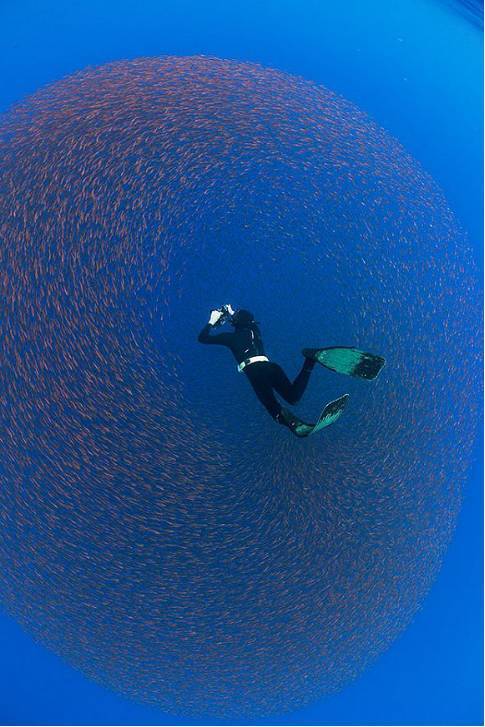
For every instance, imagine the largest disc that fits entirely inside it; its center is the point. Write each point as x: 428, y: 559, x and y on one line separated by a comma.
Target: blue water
x: 416, y: 68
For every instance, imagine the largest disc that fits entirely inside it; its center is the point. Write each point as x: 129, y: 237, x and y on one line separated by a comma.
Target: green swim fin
x: 329, y: 415
x: 346, y: 360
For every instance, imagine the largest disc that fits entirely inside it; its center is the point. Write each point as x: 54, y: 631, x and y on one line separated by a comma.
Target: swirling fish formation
x: 159, y: 531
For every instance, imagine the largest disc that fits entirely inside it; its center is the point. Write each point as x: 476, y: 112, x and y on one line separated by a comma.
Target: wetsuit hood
x: 242, y: 318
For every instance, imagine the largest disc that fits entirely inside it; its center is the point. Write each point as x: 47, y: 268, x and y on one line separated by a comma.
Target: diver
x: 266, y: 377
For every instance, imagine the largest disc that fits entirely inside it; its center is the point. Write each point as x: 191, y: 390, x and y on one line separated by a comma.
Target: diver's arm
x: 223, y: 339
x: 205, y: 337
x: 217, y: 317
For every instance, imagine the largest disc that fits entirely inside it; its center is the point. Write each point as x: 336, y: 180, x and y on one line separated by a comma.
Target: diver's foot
x: 286, y: 418
x: 310, y: 356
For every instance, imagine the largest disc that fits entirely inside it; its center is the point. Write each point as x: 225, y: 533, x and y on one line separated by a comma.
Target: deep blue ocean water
x: 415, y: 68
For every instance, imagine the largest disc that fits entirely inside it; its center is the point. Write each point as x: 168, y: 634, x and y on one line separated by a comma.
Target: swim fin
x: 347, y: 360
x: 329, y: 415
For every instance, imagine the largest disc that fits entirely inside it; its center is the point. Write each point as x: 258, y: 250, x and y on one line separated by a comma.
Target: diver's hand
x: 230, y: 309
x: 215, y: 317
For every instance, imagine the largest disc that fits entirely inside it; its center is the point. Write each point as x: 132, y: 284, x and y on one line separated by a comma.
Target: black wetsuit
x: 263, y: 376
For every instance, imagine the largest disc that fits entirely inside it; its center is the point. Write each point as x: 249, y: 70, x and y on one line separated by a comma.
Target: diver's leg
x: 264, y: 391
x: 300, y: 383
x: 260, y: 378
x: 292, y: 392
x: 272, y: 405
